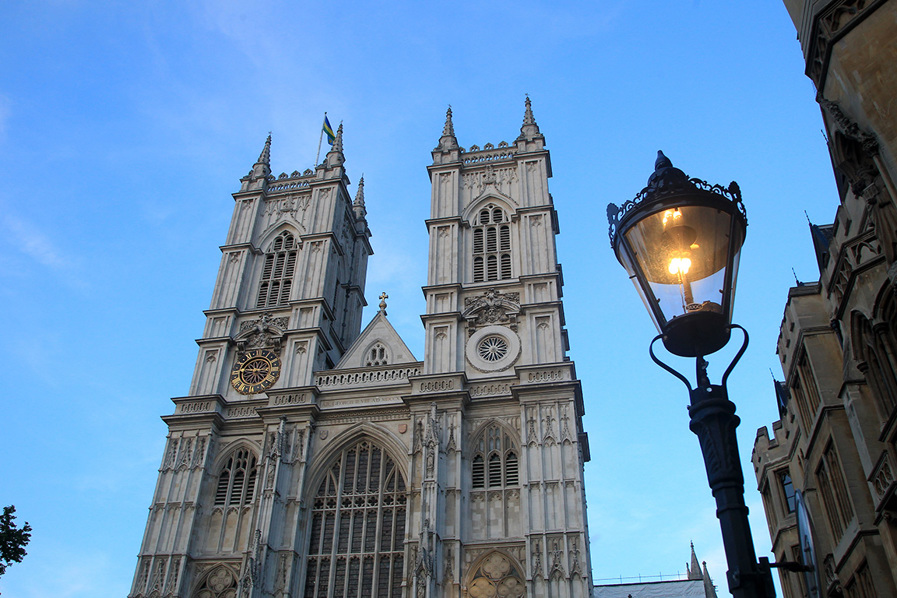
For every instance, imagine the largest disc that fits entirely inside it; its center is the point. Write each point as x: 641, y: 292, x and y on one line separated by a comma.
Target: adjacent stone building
x: 831, y: 458
x: 315, y: 459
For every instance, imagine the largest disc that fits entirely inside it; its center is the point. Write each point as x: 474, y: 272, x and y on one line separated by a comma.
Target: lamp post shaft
x: 713, y: 420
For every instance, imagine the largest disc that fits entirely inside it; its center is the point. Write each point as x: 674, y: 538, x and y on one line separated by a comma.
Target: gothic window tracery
x: 875, y: 363
x: 491, y: 245
x: 497, y: 576
x: 219, y: 583
x: 876, y: 344
x: 833, y: 488
x: 377, y: 355
x: 495, y: 463
x: 804, y: 391
x: 236, y: 482
x: 356, y: 538
x: 277, y: 273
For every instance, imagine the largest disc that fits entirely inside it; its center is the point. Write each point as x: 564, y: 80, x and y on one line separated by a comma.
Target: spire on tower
x: 529, y: 131
x: 265, y: 156
x: 359, y: 195
x: 709, y: 588
x: 338, y: 142
x: 528, y: 118
x: 335, y: 157
x: 358, y: 204
x: 262, y: 168
x: 449, y: 128
x: 694, y: 570
x: 448, y: 141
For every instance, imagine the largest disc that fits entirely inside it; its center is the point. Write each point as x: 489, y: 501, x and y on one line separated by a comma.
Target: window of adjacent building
x: 877, y: 359
x: 357, y: 527
x: 277, y: 272
x: 495, y: 463
x: 236, y: 482
x: 804, y: 391
x: 491, y: 245
x: 832, y: 487
x: 805, y: 371
x: 800, y: 400
x: 861, y: 585
x: 787, y: 490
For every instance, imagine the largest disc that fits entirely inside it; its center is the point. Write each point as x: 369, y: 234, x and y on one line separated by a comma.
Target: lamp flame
x: 679, y: 265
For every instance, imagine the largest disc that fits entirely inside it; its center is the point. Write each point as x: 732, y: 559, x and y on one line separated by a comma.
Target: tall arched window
x: 495, y: 463
x: 491, y: 245
x: 236, y: 483
x: 358, y: 527
x: 277, y: 273
x: 877, y: 362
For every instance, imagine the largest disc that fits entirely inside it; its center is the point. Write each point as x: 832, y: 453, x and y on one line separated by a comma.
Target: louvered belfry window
x: 491, y: 245
x: 356, y: 541
x: 495, y: 463
x: 277, y: 273
x: 236, y: 483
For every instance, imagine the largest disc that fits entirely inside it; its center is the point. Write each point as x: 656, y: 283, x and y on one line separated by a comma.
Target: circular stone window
x: 492, y: 349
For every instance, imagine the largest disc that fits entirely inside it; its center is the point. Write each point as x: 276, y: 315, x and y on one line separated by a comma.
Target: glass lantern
x: 680, y: 240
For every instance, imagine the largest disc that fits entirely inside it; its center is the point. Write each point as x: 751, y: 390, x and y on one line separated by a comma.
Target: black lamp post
x: 680, y: 240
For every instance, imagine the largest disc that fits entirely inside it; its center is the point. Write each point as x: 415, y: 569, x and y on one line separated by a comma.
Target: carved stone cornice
x: 829, y: 25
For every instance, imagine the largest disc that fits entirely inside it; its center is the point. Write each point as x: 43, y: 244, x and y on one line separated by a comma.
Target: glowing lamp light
x: 680, y: 241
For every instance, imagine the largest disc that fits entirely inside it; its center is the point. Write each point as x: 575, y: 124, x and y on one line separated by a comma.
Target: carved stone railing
x: 366, y: 377
x: 288, y: 185
x: 489, y: 153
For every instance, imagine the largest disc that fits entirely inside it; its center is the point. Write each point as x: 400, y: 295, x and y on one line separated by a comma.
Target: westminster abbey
x: 312, y: 458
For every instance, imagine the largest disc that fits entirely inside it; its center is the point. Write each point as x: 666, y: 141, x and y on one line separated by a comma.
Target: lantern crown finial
x: 665, y: 175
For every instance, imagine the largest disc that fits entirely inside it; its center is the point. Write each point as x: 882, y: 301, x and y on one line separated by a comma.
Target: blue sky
x: 125, y: 127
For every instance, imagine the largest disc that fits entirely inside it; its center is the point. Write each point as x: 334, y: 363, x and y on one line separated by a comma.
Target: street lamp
x: 680, y: 239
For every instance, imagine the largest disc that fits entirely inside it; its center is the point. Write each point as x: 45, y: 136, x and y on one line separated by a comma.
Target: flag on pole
x: 329, y: 131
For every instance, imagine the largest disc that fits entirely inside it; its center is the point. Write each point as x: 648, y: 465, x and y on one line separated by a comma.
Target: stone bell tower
x: 287, y: 302
x: 508, y: 506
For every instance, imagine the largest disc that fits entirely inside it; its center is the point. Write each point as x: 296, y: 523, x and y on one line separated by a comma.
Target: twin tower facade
x: 315, y: 459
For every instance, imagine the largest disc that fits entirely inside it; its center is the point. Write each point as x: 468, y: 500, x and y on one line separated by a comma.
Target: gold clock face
x: 255, y: 371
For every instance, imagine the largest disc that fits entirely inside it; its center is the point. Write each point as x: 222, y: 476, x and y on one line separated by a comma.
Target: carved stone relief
x: 263, y: 332
x: 491, y: 308
x: 536, y: 560
x: 557, y: 559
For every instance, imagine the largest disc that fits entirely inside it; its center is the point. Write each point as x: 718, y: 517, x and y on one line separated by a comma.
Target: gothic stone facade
x: 311, y: 459
x: 835, y: 441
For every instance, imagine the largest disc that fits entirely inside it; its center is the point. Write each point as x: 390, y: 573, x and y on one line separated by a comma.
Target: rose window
x: 493, y: 348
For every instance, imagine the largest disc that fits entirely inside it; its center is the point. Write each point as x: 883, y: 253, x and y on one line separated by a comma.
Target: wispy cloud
x: 32, y: 242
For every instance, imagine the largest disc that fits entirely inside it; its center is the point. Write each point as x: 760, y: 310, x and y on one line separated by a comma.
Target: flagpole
x: 320, y: 139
